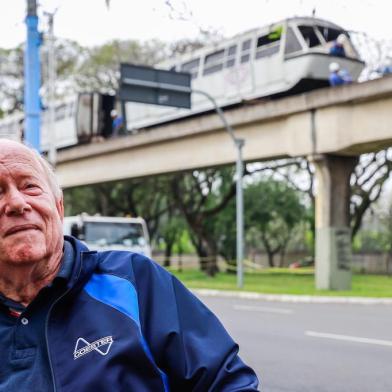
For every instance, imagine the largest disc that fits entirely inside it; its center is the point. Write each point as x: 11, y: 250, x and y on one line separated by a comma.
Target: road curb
x: 293, y: 298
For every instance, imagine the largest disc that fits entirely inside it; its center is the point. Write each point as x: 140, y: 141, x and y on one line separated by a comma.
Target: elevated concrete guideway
x: 331, y: 126
x: 346, y: 121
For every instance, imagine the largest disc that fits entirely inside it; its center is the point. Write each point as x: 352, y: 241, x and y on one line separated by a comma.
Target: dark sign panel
x: 155, y: 86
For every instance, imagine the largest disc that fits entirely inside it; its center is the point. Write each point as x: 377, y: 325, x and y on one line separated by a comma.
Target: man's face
x: 30, y: 216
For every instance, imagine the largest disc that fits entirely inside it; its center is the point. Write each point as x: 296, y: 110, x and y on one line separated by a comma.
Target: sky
x: 90, y: 22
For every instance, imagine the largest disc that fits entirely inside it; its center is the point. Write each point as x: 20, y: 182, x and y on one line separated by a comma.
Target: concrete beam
x: 347, y: 120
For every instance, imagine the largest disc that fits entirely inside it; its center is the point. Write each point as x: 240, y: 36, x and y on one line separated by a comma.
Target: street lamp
x: 238, y: 143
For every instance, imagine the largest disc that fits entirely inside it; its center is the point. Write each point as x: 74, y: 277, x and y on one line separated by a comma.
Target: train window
x: 60, y: 112
x: 213, y: 62
x: 232, y: 50
x: 246, y: 45
x: 329, y: 33
x: 245, y: 58
x: 267, y: 45
x: 309, y: 35
x: 245, y: 48
x: 231, y: 53
x: 292, y: 43
x: 192, y: 67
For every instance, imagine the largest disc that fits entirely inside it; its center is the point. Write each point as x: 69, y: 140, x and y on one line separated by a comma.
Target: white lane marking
x: 262, y: 309
x: 348, y: 338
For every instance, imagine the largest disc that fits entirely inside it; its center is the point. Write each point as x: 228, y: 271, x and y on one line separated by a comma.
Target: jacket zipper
x: 47, y: 324
x: 47, y: 340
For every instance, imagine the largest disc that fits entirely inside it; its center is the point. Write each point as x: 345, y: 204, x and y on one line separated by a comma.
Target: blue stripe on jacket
x: 121, y: 294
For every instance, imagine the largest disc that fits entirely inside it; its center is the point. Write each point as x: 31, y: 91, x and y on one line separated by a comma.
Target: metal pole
x: 239, y: 143
x: 51, y: 92
x: 32, y: 76
x: 240, y: 214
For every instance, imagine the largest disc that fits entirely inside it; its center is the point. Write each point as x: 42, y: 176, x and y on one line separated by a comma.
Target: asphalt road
x: 304, y: 347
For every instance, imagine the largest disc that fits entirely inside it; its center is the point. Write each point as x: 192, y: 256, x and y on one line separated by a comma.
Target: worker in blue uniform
x: 338, y: 76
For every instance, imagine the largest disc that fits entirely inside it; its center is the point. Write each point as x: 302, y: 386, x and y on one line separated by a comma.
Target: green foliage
x: 146, y: 198
x: 100, y: 69
x: 275, y: 209
x: 369, y: 241
x: 184, y: 244
x: 202, y: 197
x: 375, y: 241
x: 78, y: 200
x: 224, y: 231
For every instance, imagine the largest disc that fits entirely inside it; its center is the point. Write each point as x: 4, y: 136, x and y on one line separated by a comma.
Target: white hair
x: 51, y: 177
x: 46, y: 168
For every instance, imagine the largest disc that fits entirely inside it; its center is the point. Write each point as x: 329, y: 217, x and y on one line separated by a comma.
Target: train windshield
x: 319, y: 35
x: 113, y: 233
x: 310, y: 36
x: 328, y: 33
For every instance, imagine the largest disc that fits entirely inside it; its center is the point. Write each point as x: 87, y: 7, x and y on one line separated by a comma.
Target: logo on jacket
x: 101, y: 346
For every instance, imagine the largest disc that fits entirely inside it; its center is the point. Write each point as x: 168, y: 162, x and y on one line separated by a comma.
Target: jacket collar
x: 85, y: 262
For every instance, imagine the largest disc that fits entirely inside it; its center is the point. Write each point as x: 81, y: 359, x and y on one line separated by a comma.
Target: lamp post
x: 171, y: 88
x: 239, y: 144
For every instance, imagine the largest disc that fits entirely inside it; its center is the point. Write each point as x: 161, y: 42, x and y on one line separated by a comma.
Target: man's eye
x: 31, y: 186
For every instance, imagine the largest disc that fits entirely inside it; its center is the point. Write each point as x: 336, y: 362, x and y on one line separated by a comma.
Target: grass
x: 285, y: 281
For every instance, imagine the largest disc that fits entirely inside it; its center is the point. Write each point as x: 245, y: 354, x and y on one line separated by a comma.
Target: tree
x: 11, y: 79
x: 387, y: 236
x: 275, y: 209
x: 137, y: 197
x: 367, y: 181
x: 200, y: 196
x: 100, y: 69
x: 171, y: 228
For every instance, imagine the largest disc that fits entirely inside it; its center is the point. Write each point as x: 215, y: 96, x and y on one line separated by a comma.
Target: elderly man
x: 75, y: 320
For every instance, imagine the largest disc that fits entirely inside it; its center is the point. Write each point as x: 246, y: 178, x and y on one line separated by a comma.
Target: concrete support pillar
x: 333, y: 234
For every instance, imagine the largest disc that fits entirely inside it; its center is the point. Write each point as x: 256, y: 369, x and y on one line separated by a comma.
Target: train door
x: 84, y: 121
x: 238, y: 74
x: 105, y: 120
x: 88, y: 123
x: 211, y: 79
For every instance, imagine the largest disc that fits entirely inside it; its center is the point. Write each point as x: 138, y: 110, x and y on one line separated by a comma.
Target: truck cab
x: 109, y: 233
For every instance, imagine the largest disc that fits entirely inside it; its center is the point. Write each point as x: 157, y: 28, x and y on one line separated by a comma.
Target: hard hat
x: 334, y: 67
x: 341, y: 39
x: 113, y: 113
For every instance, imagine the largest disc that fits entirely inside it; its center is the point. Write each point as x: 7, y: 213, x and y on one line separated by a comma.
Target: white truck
x: 109, y: 233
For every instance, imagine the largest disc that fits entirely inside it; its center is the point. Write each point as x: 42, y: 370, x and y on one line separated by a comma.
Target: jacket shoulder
x: 127, y: 265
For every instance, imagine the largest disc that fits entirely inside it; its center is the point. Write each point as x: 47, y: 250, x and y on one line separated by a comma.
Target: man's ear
x: 60, y: 207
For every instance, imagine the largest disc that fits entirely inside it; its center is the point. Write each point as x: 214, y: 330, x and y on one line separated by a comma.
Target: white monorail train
x: 284, y: 58
x: 78, y: 119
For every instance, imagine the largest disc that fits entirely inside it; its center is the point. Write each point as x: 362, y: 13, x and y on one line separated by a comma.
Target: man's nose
x: 16, y: 203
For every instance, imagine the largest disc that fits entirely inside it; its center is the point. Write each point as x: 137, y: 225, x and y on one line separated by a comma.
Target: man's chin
x: 26, y: 255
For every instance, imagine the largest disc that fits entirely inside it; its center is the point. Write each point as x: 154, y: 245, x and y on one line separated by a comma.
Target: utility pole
x: 239, y: 144
x: 51, y: 91
x: 32, y: 76
x: 175, y: 88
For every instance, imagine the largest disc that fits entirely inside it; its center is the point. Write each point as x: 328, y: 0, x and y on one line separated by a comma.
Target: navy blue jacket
x: 126, y: 324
